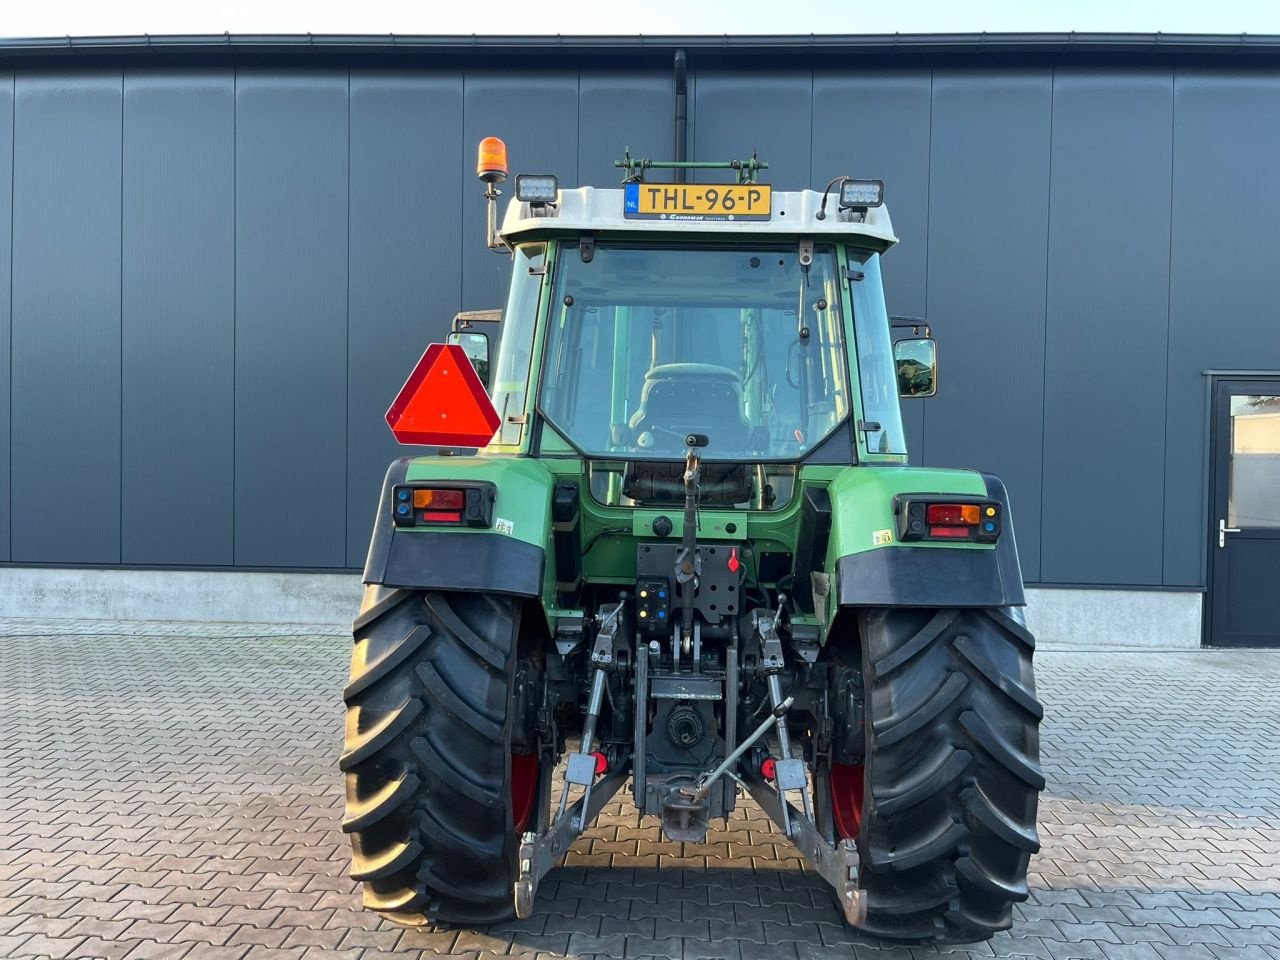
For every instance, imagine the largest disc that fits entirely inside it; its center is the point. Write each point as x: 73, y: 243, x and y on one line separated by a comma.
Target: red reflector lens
x: 438, y: 499
x: 953, y: 513
x: 957, y: 532
x: 441, y: 516
x: 602, y: 762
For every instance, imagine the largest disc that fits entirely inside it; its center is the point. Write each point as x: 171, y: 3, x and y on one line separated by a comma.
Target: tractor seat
x: 692, y: 398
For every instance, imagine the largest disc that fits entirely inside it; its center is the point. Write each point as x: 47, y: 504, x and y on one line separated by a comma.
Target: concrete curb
x: 1061, y: 618
x: 179, y: 595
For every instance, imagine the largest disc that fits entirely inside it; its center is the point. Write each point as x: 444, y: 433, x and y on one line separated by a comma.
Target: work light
x: 540, y: 188
x: 861, y: 194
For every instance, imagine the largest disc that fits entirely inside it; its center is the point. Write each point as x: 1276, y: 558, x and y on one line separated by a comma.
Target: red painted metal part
x: 524, y: 788
x: 846, y: 785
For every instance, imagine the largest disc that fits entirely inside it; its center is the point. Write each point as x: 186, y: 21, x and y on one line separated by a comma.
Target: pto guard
x: 871, y: 569
x: 509, y: 558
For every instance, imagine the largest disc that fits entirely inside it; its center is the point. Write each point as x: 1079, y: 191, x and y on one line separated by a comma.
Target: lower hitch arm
x: 540, y: 851
x: 837, y: 863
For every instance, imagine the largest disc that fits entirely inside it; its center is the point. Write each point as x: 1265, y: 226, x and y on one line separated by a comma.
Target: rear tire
x: 427, y: 756
x: 952, y: 772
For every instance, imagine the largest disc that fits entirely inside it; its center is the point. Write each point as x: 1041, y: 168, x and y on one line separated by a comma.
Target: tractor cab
x: 666, y: 317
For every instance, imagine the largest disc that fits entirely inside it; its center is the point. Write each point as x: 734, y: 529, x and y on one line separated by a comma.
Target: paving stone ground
x: 170, y: 791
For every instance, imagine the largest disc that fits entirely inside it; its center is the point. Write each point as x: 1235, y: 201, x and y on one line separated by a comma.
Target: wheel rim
x: 524, y: 788
x: 845, y: 782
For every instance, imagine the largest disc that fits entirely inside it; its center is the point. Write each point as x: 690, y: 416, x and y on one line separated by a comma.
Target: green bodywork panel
x: 862, y: 504
x: 524, y: 491
x: 862, y: 517
x: 523, y: 501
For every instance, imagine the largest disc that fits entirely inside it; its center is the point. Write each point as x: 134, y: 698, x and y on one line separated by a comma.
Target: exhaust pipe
x: 682, y: 114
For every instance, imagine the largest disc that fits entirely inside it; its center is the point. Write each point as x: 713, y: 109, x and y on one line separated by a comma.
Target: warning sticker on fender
x: 503, y: 526
x: 881, y: 538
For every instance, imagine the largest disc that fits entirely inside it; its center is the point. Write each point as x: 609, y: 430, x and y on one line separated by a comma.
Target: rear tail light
x: 948, y: 518
x: 434, y: 499
x: 463, y: 503
x: 965, y: 514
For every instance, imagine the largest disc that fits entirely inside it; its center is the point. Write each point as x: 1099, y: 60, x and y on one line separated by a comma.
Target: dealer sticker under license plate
x: 697, y: 201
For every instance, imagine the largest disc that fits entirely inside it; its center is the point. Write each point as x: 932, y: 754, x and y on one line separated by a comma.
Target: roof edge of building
x: 255, y: 46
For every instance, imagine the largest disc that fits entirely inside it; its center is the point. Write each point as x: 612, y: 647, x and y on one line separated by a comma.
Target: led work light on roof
x: 539, y: 188
x: 861, y: 194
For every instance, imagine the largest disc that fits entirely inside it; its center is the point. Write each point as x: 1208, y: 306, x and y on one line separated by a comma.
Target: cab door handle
x: 1223, y: 530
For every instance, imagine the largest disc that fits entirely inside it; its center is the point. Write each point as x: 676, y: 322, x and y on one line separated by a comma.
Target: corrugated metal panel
x: 536, y: 114
x: 409, y: 181
x: 987, y: 247
x: 178, y: 330
x: 876, y: 126
x: 621, y: 110
x: 66, y: 317
x: 967, y: 166
x: 291, y: 319
x: 1107, y: 323
x: 6, y: 265
x: 769, y: 112
x: 1226, y: 188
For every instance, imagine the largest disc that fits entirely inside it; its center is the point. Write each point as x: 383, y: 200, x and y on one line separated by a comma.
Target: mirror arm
x: 915, y: 323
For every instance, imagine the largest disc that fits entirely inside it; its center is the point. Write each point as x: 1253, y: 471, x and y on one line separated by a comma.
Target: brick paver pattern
x: 171, y: 792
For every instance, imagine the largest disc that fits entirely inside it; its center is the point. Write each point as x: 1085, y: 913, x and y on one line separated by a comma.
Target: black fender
x: 445, y: 560
x: 907, y: 576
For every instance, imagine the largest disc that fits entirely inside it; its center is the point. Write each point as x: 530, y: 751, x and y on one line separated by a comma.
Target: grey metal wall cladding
x: 219, y: 279
x: 1223, y: 290
x: 621, y: 110
x: 66, y: 317
x: 178, y: 322
x: 408, y: 185
x: 1107, y: 324
x: 537, y: 116
x: 876, y: 126
x: 766, y: 111
x: 291, y: 319
x: 988, y: 217
x: 6, y: 265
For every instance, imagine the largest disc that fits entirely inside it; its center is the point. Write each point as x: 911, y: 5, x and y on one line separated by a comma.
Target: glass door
x: 1244, y: 539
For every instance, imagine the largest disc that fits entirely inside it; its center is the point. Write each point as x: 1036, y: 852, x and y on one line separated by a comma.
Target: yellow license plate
x: 697, y: 201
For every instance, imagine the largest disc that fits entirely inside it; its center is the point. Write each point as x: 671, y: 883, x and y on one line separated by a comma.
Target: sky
x: 23, y: 18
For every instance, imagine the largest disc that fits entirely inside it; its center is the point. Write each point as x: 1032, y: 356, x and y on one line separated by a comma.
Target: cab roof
x: 600, y: 211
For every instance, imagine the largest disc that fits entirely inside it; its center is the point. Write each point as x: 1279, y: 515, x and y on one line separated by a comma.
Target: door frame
x: 1213, y: 440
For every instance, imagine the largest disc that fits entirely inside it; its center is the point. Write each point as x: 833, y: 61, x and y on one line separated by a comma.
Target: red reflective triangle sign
x: 443, y: 403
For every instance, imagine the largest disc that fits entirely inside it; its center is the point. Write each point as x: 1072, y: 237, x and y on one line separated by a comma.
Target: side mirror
x: 916, y: 361
x: 476, y: 347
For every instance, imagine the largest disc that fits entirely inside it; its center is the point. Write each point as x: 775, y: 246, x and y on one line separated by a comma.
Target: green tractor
x: 675, y: 544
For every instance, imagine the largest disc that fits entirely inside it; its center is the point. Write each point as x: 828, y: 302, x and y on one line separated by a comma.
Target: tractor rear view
x: 669, y: 541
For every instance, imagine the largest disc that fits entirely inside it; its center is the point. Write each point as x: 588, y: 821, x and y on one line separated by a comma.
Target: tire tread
x: 952, y: 772
x: 427, y: 757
